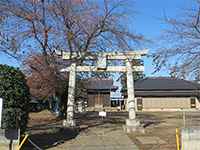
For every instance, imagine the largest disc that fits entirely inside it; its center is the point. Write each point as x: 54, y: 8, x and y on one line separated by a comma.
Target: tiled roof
x: 166, y: 86
x: 165, y: 83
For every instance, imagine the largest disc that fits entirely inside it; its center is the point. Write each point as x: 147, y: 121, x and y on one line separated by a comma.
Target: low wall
x: 190, y: 138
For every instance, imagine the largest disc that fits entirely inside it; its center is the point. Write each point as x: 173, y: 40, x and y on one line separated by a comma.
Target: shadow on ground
x: 47, y: 135
x: 51, y: 138
x: 148, y: 120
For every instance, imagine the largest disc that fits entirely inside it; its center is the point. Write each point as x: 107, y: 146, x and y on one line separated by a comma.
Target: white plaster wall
x: 167, y: 103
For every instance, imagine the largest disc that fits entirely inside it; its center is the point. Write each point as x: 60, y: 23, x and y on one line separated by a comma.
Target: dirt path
x: 103, y: 137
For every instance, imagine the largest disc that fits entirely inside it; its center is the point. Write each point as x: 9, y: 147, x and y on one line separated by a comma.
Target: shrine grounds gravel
x: 159, y: 131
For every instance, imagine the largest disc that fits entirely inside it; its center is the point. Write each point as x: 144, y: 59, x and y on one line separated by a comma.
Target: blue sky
x: 147, y: 21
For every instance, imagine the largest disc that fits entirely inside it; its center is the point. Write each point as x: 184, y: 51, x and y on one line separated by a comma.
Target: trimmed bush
x: 16, y: 97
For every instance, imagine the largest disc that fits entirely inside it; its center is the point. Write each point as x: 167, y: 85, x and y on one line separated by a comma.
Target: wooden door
x: 98, y: 100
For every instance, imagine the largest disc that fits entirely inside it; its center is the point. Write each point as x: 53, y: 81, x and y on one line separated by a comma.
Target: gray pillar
x: 71, y: 96
x: 131, y: 122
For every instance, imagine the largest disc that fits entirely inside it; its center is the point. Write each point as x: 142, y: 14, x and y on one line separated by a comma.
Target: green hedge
x: 16, y: 97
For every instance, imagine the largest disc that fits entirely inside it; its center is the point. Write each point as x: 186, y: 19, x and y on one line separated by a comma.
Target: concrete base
x: 72, y: 123
x: 132, y: 122
x: 132, y: 126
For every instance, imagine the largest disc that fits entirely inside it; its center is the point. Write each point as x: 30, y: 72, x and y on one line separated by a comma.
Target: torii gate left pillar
x: 71, y: 97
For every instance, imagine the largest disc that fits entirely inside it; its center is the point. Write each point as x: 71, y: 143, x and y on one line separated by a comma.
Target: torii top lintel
x: 109, y: 55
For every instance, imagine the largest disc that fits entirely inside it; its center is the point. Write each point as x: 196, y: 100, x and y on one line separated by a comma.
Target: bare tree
x: 31, y: 31
x: 180, y: 51
x: 68, y: 25
x: 44, y: 80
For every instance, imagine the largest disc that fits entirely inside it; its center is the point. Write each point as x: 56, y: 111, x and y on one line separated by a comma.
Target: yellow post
x: 177, y: 139
x: 23, y: 141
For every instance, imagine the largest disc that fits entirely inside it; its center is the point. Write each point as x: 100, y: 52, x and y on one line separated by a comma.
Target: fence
x: 190, y: 132
x: 190, y: 138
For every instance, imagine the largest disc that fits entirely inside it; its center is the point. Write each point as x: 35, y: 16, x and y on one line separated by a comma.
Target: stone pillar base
x: 132, y: 126
x: 66, y: 123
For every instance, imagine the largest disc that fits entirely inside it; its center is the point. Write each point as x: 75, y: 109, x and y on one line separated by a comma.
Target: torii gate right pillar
x: 131, y: 123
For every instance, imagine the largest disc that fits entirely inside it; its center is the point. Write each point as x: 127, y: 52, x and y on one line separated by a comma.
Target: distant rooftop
x: 165, y: 83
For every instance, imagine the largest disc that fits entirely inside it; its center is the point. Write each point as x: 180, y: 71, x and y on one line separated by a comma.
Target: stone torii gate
x: 131, y: 123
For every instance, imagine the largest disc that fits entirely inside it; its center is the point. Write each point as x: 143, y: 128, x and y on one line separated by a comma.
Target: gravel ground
x: 47, y: 132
